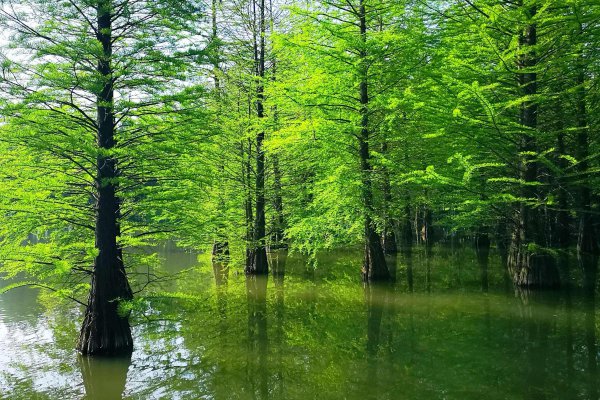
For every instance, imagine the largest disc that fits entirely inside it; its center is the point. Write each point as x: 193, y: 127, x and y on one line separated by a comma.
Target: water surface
x: 448, y: 328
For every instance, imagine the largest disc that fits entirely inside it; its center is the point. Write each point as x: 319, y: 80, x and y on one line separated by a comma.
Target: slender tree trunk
x: 407, y: 226
x: 220, y: 250
x: 246, y: 174
x: 259, y: 263
x: 374, y: 266
x: 482, y: 250
x: 279, y: 221
x: 277, y: 237
x: 105, y: 330
x: 528, y: 264
x: 562, y: 236
x: 586, y: 236
x: 389, y: 235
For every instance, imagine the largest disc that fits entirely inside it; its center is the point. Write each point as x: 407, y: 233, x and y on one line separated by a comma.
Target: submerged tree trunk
x: 258, y: 263
x: 105, y: 330
x: 529, y: 265
x: 374, y: 265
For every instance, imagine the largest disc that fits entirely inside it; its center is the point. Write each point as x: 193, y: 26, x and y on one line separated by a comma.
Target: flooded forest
x: 290, y: 199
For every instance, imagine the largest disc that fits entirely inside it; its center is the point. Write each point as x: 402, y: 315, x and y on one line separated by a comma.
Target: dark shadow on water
x: 589, y: 265
x: 376, y: 299
x: 104, y: 378
x: 257, y: 372
x: 278, y: 260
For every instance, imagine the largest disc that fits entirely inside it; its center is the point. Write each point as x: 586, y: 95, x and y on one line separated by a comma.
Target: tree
x: 88, y: 100
x: 345, y: 63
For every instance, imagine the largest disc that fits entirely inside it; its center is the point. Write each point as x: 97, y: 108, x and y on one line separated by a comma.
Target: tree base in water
x: 105, y: 330
x: 105, y: 333
x: 533, y: 270
x: 257, y: 262
x: 374, y: 265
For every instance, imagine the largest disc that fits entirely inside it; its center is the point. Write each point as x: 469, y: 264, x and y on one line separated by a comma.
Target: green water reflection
x: 449, y: 327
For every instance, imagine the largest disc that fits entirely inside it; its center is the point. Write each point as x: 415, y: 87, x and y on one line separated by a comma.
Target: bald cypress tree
x: 89, y: 97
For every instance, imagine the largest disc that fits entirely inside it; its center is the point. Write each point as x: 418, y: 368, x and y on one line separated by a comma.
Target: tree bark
x: 374, y: 266
x: 105, y: 330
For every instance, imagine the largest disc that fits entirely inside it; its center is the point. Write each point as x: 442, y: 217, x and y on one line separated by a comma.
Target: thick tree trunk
x: 374, y: 266
x: 258, y: 263
x: 220, y: 251
x: 105, y: 330
x: 529, y: 265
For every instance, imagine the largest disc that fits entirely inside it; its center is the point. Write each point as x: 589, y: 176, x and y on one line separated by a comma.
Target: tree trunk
x: 562, y: 236
x: 482, y: 250
x: 220, y: 250
x: 406, y: 227
x: 529, y: 265
x: 246, y: 174
x: 389, y: 235
x: 258, y: 263
x: 374, y: 266
x: 586, y: 237
x: 105, y: 330
x: 277, y: 237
